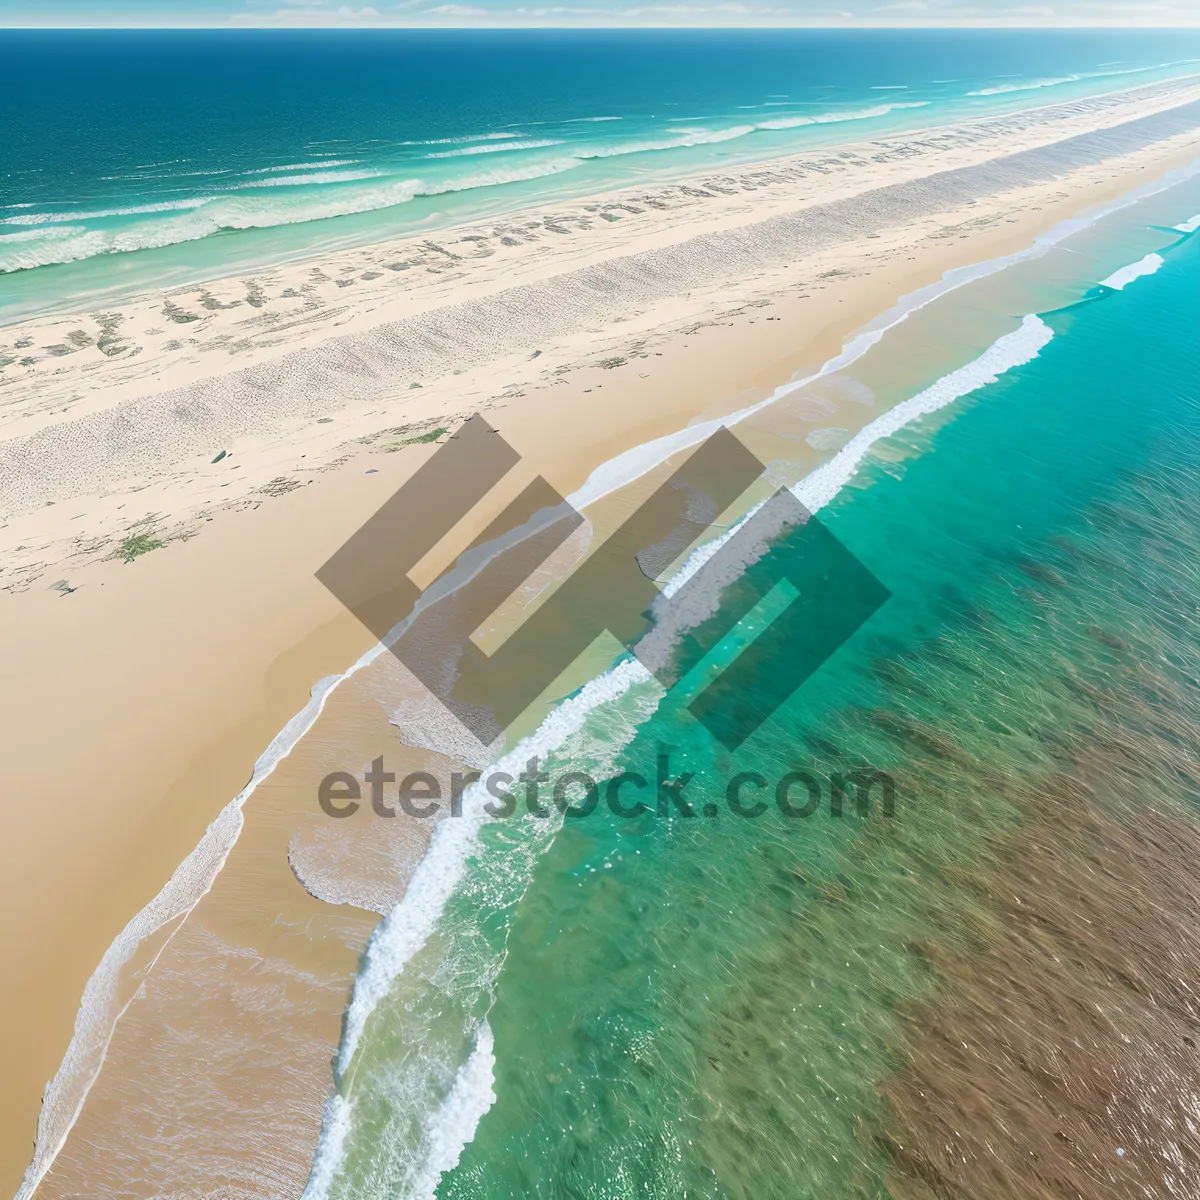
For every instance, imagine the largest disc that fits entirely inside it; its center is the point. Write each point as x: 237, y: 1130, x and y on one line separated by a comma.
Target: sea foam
x: 632, y: 464
x: 1035, y: 84
x: 497, y: 148
x: 99, y: 1010
x: 703, y: 136
x: 408, y: 927
x: 410, y: 924
x: 833, y: 118
x: 1121, y: 279
x: 206, y: 215
x: 1001, y: 88
x: 315, y: 177
x: 98, y: 1014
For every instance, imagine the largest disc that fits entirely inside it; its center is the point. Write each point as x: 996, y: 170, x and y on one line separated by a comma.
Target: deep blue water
x: 174, y: 154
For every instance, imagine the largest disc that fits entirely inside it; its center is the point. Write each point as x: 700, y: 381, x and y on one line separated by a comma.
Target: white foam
x: 309, y: 166
x: 478, y: 137
x: 55, y: 232
x: 1034, y: 84
x: 316, y: 177
x: 539, y: 170
x: 625, y: 468
x: 1178, y: 62
x: 680, y: 139
x: 397, y: 938
x: 331, y: 1146
x: 49, y: 218
x: 700, y: 136
x: 833, y: 118
x: 98, y: 1014
x: 408, y: 927
x: 1008, y: 352
x: 209, y: 215
x: 1190, y: 226
x: 497, y: 148
x: 819, y: 487
x: 450, y: 1129
x: 1119, y: 280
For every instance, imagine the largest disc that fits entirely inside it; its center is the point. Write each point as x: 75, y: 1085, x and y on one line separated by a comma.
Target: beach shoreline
x: 225, y: 629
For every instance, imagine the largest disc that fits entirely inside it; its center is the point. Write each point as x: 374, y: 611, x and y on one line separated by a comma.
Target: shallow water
x: 764, y: 1006
x: 989, y: 992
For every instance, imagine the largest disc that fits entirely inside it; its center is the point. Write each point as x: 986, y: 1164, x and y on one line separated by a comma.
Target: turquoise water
x: 988, y: 992
x: 137, y: 158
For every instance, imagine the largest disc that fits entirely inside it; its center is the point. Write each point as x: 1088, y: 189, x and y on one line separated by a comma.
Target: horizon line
x: 252, y: 26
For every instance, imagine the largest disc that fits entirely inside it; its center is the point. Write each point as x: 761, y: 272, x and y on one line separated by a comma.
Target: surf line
x: 406, y: 930
x: 632, y: 464
x: 98, y: 1014
x: 408, y: 927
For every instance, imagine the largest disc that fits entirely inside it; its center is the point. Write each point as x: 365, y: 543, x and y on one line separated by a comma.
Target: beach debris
x: 373, y: 471
x: 220, y: 456
x: 110, y: 343
x: 209, y: 301
x: 134, y: 545
x: 62, y: 587
x: 279, y: 486
x: 180, y: 316
x: 431, y: 435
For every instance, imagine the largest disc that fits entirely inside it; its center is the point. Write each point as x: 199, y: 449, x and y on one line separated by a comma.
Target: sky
x: 602, y: 13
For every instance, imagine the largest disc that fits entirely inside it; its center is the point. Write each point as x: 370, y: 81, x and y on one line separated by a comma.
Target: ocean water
x: 997, y: 974
x: 132, y: 159
x: 988, y: 991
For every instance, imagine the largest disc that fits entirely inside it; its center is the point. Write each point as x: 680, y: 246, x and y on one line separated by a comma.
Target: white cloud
x: 615, y: 13
x: 312, y: 14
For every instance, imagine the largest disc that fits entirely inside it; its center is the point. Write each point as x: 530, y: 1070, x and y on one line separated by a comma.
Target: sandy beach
x: 174, y: 470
